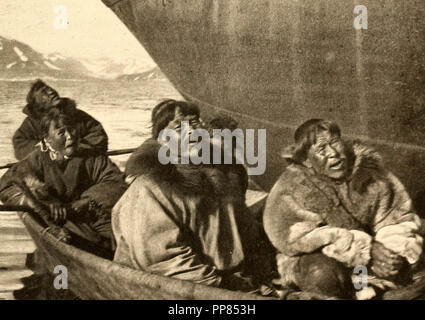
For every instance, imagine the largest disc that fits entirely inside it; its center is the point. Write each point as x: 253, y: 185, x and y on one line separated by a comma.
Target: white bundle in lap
x: 402, y: 239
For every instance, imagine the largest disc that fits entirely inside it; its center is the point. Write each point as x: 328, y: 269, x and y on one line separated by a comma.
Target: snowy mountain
x: 112, y: 68
x: 20, y: 61
x: 153, y: 74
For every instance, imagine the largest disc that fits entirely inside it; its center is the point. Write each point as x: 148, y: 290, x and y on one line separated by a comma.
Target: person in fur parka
x: 74, y: 190
x: 187, y: 221
x: 336, y: 208
x: 40, y: 98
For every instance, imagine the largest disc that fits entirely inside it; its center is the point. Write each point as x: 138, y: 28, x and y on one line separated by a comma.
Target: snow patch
x: 32, y: 78
x: 108, y: 68
x: 55, y: 56
x: 94, y: 66
x: 20, y: 54
x: 1, y: 46
x: 51, y: 66
x: 134, y: 66
x: 10, y: 65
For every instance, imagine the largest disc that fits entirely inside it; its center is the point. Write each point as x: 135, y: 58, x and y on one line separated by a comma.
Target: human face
x: 327, y: 156
x: 176, y: 125
x: 62, y: 138
x: 46, y: 97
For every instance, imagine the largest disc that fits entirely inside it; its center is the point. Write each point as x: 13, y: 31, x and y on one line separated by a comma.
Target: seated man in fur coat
x: 41, y: 97
x: 336, y: 208
x: 188, y: 221
x: 76, y: 190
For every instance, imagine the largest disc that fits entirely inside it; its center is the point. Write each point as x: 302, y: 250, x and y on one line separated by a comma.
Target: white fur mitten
x: 358, y: 254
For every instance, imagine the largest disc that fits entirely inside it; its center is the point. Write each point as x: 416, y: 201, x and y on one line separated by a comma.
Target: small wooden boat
x: 273, y: 64
x: 92, y: 277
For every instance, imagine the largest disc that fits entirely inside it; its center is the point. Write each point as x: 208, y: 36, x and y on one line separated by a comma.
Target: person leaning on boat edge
x: 40, y: 98
x: 336, y: 208
x: 189, y: 221
x: 77, y: 190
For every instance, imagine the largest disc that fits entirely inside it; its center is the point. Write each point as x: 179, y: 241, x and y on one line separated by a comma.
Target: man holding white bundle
x: 335, y: 209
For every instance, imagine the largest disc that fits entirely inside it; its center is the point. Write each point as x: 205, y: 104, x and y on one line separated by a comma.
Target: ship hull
x: 275, y: 63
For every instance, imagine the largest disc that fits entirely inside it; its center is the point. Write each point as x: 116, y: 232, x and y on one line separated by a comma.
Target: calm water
x: 123, y: 108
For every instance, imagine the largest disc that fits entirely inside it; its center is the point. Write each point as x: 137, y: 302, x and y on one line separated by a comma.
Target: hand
x: 58, y: 212
x: 385, y: 263
x: 81, y: 205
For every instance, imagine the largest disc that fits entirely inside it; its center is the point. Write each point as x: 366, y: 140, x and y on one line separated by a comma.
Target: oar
x: 109, y: 153
x: 7, y: 166
x: 8, y: 207
x: 120, y: 152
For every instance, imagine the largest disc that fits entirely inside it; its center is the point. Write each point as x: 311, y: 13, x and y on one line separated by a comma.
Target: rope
x: 44, y: 231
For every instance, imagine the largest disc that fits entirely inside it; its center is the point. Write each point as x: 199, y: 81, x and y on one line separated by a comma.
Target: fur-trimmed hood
x: 67, y: 103
x: 198, y: 179
x: 365, y: 165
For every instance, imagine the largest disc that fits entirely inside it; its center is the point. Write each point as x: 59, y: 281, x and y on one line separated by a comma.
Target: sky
x: 93, y: 30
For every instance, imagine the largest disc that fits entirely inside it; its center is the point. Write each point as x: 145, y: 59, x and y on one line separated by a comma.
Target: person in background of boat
x: 40, y: 98
x: 227, y: 122
x: 336, y: 208
x: 77, y: 190
x: 187, y: 221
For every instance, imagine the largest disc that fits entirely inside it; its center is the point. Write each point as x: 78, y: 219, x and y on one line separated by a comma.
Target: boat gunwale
x: 187, y: 289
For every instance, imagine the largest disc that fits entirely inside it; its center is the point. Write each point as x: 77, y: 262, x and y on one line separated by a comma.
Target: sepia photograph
x: 213, y: 150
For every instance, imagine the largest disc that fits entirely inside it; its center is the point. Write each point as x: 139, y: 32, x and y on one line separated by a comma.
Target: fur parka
x: 306, y: 212
x: 93, y: 138
x: 185, y: 221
